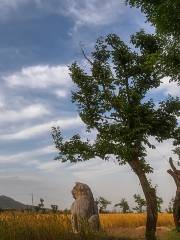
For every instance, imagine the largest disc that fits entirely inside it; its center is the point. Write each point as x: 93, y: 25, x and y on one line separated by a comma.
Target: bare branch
x: 172, y: 164
x: 173, y: 167
x: 174, y: 175
x: 85, y: 56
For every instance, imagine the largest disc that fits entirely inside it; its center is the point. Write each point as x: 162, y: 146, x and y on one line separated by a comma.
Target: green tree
x: 164, y: 15
x: 159, y: 203
x: 169, y: 209
x: 123, y: 205
x: 112, y: 99
x: 141, y: 203
x: 40, y: 206
x: 102, y: 204
x: 54, y: 208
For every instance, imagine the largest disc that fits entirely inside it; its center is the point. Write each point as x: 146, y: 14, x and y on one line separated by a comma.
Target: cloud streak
x: 94, y: 12
x: 40, y: 129
x: 42, y: 76
x: 28, y: 112
x: 29, y: 156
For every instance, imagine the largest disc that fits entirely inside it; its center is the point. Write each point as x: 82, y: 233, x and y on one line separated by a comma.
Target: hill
x: 10, y: 203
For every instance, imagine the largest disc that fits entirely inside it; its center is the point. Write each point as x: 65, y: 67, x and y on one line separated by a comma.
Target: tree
x: 123, y: 205
x: 169, y: 209
x: 164, y: 15
x: 102, y: 204
x: 112, y: 99
x: 140, y: 203
x: 176, y: 205
x: 41, y: 204
x: 159, y: 203
x: 176, y: 143
x: 54, y: 208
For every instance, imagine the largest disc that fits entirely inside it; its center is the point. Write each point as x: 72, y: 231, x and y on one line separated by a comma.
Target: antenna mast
x: 32, y: 199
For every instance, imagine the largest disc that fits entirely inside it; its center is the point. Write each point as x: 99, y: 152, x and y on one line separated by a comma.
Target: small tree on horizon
x: 102, y: 204
x: 141, y: 203
x: 54, y: 208
x: 169, y: 209
x: 123, y: 204
x: 112, y: 98
x: 159, y: 204
x: 41, y: 204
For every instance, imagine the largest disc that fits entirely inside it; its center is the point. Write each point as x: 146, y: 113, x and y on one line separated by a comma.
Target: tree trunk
x: 176, y: 206
x: 151, y: 200
x: 176, y: 211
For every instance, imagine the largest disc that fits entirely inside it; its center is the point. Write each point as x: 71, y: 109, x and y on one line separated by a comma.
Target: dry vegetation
x: 133, y: 220
x: 33, y: 226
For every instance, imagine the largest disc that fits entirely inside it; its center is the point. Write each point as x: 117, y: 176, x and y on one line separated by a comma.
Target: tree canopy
x: 112, y: 99
x: 123, y: 204
x: 164, y: 14
x: 141, y: 202
x: 102, y: 204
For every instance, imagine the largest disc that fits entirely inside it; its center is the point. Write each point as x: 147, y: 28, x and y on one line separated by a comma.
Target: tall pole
x: 32, y: 201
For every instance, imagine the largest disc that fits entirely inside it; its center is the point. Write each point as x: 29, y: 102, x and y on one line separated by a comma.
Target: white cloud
x: 39, y: 77
x: 94, y: 167
x: 28, y: 112
x: 49, y: 166
x: 30, y: 156
x: 169, y: 87
x: 61, y: 93
x: 83, y: 12
x: 42, y: 128
x: 158, y: 157
x: 94, y: 12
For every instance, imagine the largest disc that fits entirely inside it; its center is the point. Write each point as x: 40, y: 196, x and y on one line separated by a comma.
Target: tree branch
x: 173, y: 167
x: 174, y: 175
x: 111, y: 118
x: 82, y: 50
x: 172, y: 164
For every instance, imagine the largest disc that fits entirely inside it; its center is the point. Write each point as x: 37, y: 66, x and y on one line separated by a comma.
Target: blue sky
x: 39, y: 39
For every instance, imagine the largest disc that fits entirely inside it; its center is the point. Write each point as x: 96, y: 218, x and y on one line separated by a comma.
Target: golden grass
x: 133, y: 220
x: 36, y: 226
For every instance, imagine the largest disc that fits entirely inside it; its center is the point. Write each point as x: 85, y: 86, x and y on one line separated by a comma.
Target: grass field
x: 33, y: 226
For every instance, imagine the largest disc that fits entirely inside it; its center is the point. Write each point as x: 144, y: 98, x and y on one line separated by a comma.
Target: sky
x: 39, y: 40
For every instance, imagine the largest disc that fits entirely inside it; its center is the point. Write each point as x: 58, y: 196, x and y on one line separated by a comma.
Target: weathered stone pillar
x: 84, y: 210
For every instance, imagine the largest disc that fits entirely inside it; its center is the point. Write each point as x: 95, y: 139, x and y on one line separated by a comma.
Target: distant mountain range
x: 9, y: 203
